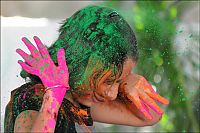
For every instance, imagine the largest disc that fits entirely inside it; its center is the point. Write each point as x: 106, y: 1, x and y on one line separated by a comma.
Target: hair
x: 95, y: 39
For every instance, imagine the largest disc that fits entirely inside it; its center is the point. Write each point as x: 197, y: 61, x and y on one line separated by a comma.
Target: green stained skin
x: 54, y: 74
x: 46, y: 65
x: 36, y: 58
x: 45, y: 56
x: 42, y: 68
x: 62, y: 71
x: 94, y: 38
x: 28, y: 58
x: 41, y: 45
x: 27, y: 41
x: 27, y: 112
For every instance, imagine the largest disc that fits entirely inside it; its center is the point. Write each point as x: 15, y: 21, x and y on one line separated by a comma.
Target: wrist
x: 57, y: 93
x: 49, y: 103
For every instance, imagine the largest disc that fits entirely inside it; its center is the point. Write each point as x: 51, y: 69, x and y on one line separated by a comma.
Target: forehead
x: 127, y: 68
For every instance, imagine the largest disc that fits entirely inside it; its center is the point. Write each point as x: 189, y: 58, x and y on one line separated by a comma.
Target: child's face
x: 107, y: 88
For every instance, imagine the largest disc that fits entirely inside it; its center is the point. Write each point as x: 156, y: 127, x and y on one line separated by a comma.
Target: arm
x: 56, y: 77
x: 47, y: 116
x: 134, y: 105
x: 115, y: 112
x: 42, y: 121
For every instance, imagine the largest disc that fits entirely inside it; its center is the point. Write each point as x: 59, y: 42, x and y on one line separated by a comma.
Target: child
x: 84, y: 76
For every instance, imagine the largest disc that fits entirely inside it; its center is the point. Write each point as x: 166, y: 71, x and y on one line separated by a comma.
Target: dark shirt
x: 30, y: 96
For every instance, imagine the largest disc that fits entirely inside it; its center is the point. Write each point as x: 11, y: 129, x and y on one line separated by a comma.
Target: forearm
x: 47, y: 116
x: 115, y: 112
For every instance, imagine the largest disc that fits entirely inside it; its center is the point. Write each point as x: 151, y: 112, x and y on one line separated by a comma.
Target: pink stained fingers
x: 61, y: 59
x: 150, y: 91
x: 151, y: 103
x: 27, y: 68
x: 140, y: 107
x: 145, y: 107
x: 28, y: 59
x: 159, y: 98
x: 42, y: 48
x: 34, y: 52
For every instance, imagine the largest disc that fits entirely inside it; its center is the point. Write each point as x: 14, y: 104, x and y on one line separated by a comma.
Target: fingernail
x: 160, y: 112
x: 20, y: 61
x: 24, y: 39
x: 17, y: 50
x: 35, y: 37
x: 166, y: 102
x: 148, y: 116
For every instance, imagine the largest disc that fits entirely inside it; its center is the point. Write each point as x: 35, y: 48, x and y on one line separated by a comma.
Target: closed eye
x: 109, y: 82
x: 119, y: 81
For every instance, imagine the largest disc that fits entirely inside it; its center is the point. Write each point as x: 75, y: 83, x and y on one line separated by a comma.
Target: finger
x: 138, y: 104
x: 61, y: 58
x: 159, y: 98
x: 25, y: 56
x: 27, y: 67
x: 148, y: 86
x: 42, y: 48
x: 151, y: 103
x: 144, y: 105
x: 31, y: 47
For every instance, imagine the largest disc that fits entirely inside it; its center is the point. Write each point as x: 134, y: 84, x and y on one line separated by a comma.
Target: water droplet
x: 157, y: 78
x: 190, y: 36
x: 180, y: 31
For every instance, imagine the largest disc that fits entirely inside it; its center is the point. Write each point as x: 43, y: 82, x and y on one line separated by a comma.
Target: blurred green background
x: 167, y: 33
x: 163, y: 63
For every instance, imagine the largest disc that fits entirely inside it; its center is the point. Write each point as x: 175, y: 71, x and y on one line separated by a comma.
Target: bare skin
x: 134, y: 109
x: 103, y: 101
x: 104, y: 106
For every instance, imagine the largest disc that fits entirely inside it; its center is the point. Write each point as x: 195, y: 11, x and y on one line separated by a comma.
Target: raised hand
x: 40, y: 63
x: 139, y: 91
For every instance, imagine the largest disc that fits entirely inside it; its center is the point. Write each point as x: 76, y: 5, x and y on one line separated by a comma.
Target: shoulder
x: 25, y: 120
x: 27, y: 97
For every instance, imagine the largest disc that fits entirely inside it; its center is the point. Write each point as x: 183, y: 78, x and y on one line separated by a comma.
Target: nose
x: 111, y: 93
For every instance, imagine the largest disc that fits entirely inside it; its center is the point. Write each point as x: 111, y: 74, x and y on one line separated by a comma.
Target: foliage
x: 155, y: 26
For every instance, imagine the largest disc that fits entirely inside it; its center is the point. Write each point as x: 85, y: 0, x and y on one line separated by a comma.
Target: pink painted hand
x: 140, y: 92
x: 40, y: 63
